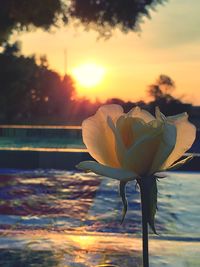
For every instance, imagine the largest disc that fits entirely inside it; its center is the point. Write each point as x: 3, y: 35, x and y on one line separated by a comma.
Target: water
x: 34, y: 142
x: 61, y: 218
x: 39, y: 136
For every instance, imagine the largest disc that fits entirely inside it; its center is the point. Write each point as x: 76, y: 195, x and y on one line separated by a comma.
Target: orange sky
x: 168, y: 44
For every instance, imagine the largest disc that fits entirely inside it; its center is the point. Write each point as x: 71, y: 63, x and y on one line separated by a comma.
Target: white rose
x: 130, y: 145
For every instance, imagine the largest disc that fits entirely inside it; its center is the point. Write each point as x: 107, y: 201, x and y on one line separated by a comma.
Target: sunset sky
x: 168, y: 44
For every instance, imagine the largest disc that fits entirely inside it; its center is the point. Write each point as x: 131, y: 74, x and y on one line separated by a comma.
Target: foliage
x: 31, y: 93
x: 102, y: 15
x: 161, y: 92
x: 105, y: 15
x: 162, y: 88
x: 21, y: 15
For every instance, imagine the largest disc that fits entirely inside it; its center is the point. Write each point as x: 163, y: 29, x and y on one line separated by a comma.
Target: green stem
x: 143, y: 189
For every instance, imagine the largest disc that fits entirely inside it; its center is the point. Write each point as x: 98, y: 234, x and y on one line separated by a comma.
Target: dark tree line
x: 102, y: 15
x: 32, y: 93
x: 161, y: 93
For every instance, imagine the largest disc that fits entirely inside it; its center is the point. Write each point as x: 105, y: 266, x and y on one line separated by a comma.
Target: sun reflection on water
x: 59, y: 218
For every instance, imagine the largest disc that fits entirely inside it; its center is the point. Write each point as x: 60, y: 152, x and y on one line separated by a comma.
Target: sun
x: 88, y: 75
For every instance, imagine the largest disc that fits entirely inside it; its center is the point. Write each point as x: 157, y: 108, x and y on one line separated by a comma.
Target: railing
x: 40, y: 131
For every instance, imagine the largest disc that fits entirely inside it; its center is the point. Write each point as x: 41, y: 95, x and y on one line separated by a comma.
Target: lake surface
x: 61, y: 218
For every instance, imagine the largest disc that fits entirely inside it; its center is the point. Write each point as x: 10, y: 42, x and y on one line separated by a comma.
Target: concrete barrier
x: 63, y: 159
x: 26, y: 151
x: 19, y: 159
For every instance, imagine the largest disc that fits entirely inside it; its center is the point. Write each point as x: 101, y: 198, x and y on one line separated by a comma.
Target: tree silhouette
x: 105, y: 15
x: 34, y: 94
x: 22, y: 14
x: 31, y: 92
x: 102, y: 15
x: 161, y: 92
x: 162, y: 88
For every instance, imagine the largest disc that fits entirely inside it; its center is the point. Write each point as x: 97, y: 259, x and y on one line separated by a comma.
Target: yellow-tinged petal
x: 140, y: 156
x: 159, y: 115
x: 119, y: 145
x: 130, y: 129
x: 186, y: 133
x: 179, y: 163
x: 178, y: 117
x: 99, y: 138
x: 141, y: 113
x: 167, y: 144
x: 115, y: 173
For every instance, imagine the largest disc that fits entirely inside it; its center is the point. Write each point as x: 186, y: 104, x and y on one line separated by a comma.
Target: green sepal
x: 148, y: 188
x: 122, y: 192
x: 152, y: 204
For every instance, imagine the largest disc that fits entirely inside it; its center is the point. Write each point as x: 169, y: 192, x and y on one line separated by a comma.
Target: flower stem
x: 144, y: 204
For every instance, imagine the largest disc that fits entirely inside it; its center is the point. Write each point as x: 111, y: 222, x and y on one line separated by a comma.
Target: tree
x: 22, y: 14
x: 30, y: 92
x: 16, y: 75
x: 162, y: 88
x: 103, y: 15
x: 161, y: 92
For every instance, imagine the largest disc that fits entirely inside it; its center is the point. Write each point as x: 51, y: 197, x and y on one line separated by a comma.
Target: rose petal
x: 139, y: 158
x: 130, y: 129
x: 115, y: 173
x: 160, y: 175
x: 179, y: 163
x: 186, y: 133
x: 98, y: 137
x: 178, y: 117
x: 141, y: 113
x: 167, y: 144
x: 159, y: 115
x: 119, y: 146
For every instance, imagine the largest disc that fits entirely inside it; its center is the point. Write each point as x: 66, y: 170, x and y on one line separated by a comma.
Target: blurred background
x: 59, y: 61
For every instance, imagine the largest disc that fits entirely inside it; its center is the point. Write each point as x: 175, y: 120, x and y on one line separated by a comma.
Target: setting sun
x: 88, y: 74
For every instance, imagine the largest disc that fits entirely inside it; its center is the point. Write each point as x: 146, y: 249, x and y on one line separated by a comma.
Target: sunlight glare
x: 89, y: 74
